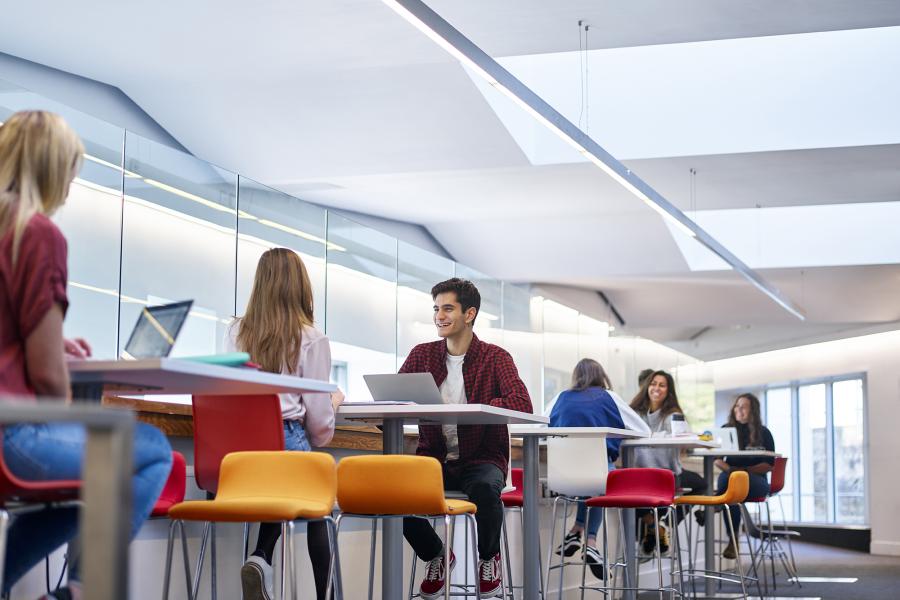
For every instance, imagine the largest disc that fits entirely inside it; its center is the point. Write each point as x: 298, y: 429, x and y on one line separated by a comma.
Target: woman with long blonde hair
x: 39, y: 157
x: 277, y: 332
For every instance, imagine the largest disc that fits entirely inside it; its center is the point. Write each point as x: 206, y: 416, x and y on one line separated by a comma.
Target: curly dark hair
x: 466, y: 293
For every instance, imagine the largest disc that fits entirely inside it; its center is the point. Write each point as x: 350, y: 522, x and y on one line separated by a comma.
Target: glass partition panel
x: 417, y: 272
x: 560, y: 349
x: 361, y: 294
x: 268, y: 219
x: 780, y: 421
x: 813, y: 458
x: 488, y: 324
x: 90, y: 220
x: 522, y: 326
x: 178, y: 242
x: 849, y: 453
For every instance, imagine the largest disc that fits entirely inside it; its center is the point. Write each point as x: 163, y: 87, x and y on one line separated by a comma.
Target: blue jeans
x: 55, y: 451
x: 295, y: 437
x: 759, y: 487
x: 594, y: 517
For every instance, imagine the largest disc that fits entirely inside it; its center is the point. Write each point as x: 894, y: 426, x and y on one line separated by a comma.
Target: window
x: 820, y: 426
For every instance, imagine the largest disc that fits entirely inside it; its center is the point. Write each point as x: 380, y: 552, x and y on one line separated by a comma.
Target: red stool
x: 173, y: 492
x: 20, y: 495
x: 513, y: 500
x: 636, y: 488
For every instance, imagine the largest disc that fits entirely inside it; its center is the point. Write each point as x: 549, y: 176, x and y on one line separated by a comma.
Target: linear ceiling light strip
x: 463, y: 49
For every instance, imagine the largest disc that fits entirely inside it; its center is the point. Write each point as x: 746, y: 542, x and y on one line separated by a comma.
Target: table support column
x: 106, y: 517
x: 709, y: 538
x: 532, y: 508
x: 392, y: 540
x: 628, y: 525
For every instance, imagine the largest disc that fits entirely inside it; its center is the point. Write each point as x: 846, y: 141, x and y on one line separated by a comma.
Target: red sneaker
x: 433, y: 584
x: 489, y: 577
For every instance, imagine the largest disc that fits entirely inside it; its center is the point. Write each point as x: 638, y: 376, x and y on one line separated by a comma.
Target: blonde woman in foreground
x: 277, y: 332
x: 39, y: 157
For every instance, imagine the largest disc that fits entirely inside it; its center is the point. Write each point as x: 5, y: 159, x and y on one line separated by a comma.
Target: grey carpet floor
x: 878, y: 576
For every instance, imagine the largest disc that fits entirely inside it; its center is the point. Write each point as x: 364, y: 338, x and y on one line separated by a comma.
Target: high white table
x: 392, y: 417
x: 92, y: 378
x: 627, y: 453
x: 531, y: 463
x: 709, y: 458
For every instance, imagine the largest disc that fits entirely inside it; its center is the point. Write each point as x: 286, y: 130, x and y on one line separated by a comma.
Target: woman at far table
x: 752, y: 435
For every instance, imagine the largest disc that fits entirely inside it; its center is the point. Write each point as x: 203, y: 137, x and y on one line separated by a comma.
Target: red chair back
x: 224, y: 424
x: 516, y: 476
x: 778, y: 475
x: 651, y: 483
x: 173, y: 492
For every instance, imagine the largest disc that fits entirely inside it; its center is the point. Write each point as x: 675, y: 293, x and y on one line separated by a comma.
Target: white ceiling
x: 345, y: 104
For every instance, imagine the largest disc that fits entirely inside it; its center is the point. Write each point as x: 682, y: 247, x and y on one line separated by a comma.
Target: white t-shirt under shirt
x: 453, y: 391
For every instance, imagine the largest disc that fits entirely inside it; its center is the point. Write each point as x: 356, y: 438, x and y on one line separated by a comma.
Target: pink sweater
x: 315, y: 411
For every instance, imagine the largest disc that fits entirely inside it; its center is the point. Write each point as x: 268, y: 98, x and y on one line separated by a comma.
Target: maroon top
x: 490, y: 377
x: 27, y: 293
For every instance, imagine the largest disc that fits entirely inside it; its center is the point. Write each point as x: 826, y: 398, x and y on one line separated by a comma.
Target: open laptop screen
x: 156, y: 330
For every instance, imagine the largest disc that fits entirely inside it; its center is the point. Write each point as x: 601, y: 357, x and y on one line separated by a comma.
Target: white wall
x: 878, y: 356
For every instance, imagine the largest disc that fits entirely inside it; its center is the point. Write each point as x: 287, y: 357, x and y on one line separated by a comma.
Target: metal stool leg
x: 333, y: 572
x: 292, y: 564
x: 196, y: 587
x: 168, y: 573
x: 737, y: 549
x: 470, y: 519
x: 372, y: 561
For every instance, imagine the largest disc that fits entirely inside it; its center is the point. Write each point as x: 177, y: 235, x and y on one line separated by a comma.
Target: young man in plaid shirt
x: 475, y: 457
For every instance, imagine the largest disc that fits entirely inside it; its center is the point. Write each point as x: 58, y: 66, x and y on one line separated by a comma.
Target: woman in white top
x: 277, y: 331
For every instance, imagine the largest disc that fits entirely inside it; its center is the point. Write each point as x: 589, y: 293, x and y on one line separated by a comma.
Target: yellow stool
x: 397, y: 486
x: 266, y: 487
x: 735, y: 493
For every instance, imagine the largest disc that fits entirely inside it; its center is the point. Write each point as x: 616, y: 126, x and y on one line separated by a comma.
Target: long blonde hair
x: 39, y: 157
x: 281, y: 303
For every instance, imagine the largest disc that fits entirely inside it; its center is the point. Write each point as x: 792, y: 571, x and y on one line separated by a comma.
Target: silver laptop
x: 726, y: 438
x: 406, y: 388
x: 156, y: 330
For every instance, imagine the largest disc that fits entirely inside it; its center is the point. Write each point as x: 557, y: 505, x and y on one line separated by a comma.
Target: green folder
x: 229, y: 359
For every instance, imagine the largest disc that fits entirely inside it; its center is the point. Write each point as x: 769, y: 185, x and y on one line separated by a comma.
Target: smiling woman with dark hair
x: 657, y: 404
x: 752, y: 435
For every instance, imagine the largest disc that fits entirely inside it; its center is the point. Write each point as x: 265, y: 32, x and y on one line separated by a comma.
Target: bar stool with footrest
x: 268, y: 487
x: 769, y: 536
x: 735, y: 493
x: 399, y: 486
x: 636, y: 488
x: 225, y: 424
x: 577, y: 468
x: 513, y: 501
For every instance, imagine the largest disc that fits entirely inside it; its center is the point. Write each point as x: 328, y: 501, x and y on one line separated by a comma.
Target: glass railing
x: 148, y: 224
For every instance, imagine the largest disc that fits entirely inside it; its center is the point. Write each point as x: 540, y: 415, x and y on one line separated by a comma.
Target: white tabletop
x: 672, y: 442
x: 462, y: 414
x: 766, y: 453
x: 608, y: 432
x: 174, y: 376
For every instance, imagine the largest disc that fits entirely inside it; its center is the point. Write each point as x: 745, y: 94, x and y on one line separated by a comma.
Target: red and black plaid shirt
x: 490, y: 377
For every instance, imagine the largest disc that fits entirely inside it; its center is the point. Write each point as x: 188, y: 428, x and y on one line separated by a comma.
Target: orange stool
x: 264, y: 487
x: 735, y: 493
x: 397, y: 486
